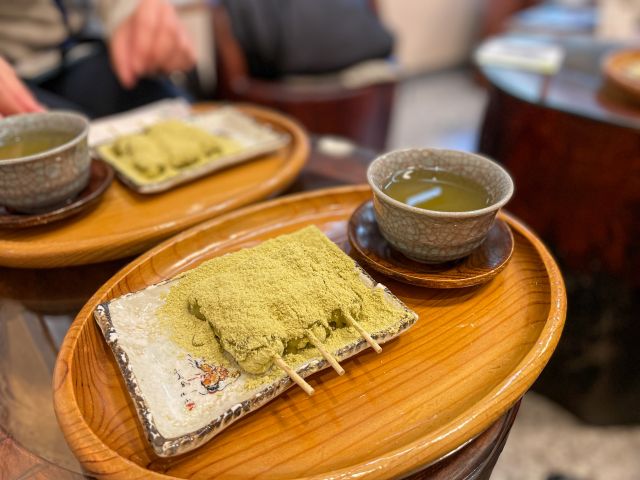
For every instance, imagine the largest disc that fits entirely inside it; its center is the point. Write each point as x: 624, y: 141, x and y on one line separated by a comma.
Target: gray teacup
x: 41, y: 181
x: 433, y: 236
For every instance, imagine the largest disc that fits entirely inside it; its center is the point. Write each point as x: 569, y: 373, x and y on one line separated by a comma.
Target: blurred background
x: 535, y: 85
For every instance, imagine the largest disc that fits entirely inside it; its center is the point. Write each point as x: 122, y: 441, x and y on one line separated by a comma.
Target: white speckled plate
x: 255, y: 138
x: 182, y: 401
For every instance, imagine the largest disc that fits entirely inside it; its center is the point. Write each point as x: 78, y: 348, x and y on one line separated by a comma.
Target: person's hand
x: 152, y: 40
x: 15, y: 97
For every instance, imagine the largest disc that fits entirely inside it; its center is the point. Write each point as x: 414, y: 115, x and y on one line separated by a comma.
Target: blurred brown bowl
x: 45, y: 180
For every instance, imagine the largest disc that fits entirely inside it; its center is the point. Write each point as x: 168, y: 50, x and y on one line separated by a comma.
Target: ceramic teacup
x: 44, y: 180
x: 434, y: 236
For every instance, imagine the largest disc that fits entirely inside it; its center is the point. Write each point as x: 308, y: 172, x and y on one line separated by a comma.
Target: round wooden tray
x: 125, y: 223
x: 471, y: 355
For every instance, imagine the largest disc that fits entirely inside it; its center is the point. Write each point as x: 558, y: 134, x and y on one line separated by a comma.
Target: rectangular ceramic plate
x: 254, y: 137
x: 182, y: 401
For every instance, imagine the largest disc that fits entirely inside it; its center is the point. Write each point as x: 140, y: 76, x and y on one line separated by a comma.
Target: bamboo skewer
x: 377, y: 348
x: 293, y: 375
x: 325, y: 353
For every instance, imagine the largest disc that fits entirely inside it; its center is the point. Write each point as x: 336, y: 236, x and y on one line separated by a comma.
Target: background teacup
x: 434, y: 236
x: 38, y: 182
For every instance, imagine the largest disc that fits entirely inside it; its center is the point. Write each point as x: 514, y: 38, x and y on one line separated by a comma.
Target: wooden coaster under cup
x: 374, y: 251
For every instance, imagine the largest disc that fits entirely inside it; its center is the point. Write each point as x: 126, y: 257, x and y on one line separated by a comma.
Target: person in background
x: 307, y: 37
x: 97, y: 57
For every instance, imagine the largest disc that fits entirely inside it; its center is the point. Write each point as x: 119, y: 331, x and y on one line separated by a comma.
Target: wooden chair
x: 361, y: 114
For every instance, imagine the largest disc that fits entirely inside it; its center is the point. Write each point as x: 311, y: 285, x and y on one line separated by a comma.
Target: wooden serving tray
x: 126, y: 223
x: 474, y: 353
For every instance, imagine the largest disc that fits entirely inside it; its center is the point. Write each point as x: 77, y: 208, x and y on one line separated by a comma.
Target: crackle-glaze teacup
x: 433, y: 236
x: 44, y: 180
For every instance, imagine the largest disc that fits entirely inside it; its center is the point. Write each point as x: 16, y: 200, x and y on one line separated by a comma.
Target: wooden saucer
x: 373, y: 250
x: 99, y: 179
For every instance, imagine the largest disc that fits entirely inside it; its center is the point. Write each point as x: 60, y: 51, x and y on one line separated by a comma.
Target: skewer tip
x: 325, y: 353
x: 294, y: 375
x: 372, y: 343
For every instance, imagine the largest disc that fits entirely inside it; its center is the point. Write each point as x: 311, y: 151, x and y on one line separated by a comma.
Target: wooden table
x: 36, y: 308
x: 572, y: 144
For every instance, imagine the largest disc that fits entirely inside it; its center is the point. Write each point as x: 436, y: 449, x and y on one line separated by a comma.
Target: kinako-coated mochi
x: 261, y: 301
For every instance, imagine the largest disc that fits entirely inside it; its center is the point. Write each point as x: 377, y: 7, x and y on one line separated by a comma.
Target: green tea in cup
x: 32, y: 142
x: 436, y: 189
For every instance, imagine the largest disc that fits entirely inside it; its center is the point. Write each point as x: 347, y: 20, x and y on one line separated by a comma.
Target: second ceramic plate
x: 443, y: 382
x: 254, y: 137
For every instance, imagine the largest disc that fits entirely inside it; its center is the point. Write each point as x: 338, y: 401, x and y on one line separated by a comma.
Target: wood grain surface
x: 472, y: 354
x: 374, y: 251
x: 476, y: 460
x: 125, y: 223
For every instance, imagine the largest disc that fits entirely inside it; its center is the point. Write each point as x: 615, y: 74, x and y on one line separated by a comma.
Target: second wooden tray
x: 126, y: 223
